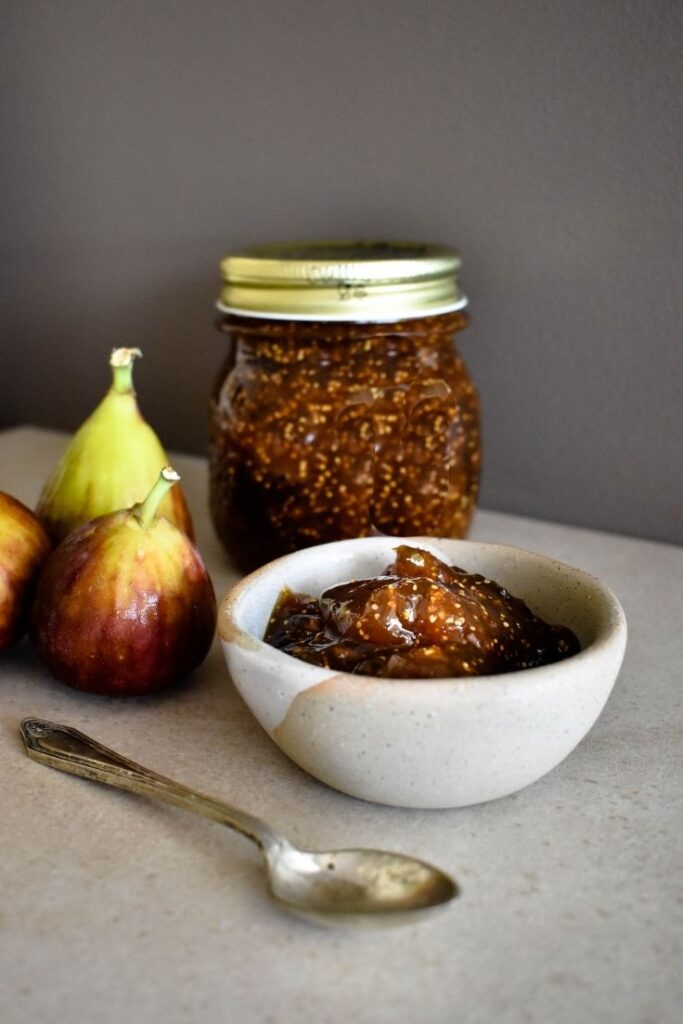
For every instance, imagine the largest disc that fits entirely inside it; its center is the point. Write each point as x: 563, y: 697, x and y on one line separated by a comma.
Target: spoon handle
x: 68, y: 750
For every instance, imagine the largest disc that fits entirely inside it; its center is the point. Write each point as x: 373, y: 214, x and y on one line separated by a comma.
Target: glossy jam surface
x: 323, y: 431
x: 421, y: 619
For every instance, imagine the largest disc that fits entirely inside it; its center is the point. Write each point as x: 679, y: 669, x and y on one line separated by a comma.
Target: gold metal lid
x: 363, y: 281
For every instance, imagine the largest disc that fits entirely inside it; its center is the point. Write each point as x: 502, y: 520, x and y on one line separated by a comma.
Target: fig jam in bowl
x: 427, y: 742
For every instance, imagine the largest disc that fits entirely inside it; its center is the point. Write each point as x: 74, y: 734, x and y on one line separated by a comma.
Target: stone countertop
x: 115, y: 908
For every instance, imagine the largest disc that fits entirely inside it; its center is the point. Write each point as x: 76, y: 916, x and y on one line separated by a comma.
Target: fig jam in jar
x: 343, y: 408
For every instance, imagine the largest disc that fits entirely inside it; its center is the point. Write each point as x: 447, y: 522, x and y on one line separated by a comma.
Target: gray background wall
x: 143, y: 139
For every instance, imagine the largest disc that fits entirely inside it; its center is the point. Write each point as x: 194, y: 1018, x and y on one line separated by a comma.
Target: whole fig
x: 111, y: 461
x: 24, y: 546
x: 125, y: 605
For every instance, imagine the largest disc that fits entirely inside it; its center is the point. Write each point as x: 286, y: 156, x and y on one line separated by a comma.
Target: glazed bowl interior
x: 571, y: 599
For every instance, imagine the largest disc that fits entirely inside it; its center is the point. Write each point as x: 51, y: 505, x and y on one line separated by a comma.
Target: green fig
x: 111, y: 461
x: 124, y: 605
x: 24, y: 546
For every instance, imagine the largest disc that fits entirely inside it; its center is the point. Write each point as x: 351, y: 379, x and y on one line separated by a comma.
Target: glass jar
x: 343, y: 408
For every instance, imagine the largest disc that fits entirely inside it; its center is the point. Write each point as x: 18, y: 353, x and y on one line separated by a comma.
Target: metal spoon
x: 336, y: 887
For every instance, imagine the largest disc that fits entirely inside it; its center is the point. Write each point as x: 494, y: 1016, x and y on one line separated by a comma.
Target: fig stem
x: 121, y: 362
x: 147, y: 510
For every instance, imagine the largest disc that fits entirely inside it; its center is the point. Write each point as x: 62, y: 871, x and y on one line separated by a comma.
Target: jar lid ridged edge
x: 342, y: 280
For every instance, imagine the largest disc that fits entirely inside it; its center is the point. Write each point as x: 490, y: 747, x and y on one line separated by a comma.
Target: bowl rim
x: 615, y: 631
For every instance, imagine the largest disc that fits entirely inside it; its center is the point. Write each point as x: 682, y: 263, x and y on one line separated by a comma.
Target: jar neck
x: 440, y: 327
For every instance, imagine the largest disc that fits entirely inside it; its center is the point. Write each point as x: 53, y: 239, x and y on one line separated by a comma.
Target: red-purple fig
x: 125, y: 605
x: 24, y: 546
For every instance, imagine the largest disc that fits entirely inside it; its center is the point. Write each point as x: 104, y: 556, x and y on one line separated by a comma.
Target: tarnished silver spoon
x: 335, y: 887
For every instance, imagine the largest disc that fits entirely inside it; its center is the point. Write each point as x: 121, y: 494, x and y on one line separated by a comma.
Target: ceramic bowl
x: 426, y: 743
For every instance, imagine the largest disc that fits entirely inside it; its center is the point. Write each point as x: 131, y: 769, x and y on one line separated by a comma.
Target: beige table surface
x: 117, y: 909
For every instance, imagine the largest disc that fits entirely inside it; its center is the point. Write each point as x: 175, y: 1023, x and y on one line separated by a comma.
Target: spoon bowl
x: 356, y: 884
x: 333, y: 887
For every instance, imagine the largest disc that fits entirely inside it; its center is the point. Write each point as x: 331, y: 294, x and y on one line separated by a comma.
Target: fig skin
x: 111, y: 461
x: 24, y: 547
x: 123, y: 609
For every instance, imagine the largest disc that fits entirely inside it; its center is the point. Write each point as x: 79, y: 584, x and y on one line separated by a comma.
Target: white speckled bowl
x: 426, y: 743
